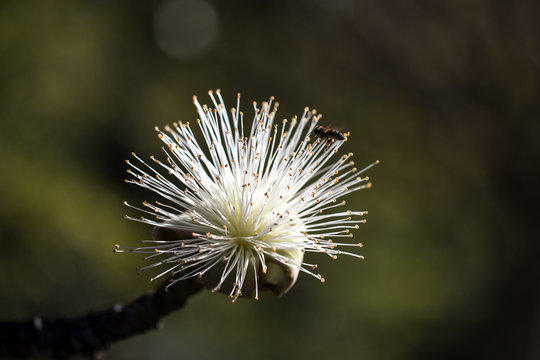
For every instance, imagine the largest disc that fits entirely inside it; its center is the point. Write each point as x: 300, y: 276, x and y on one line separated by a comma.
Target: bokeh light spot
x: 185, y: 29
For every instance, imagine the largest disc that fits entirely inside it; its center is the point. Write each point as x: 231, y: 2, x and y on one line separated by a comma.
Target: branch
x: 90, y: 335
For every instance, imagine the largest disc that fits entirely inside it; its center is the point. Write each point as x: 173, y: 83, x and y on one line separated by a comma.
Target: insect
x: 328, y: 134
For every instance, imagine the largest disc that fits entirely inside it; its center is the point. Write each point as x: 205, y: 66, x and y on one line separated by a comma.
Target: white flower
x: 247, y: 200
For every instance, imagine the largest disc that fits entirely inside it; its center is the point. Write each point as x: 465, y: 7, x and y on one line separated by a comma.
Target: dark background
x: 445, y: 93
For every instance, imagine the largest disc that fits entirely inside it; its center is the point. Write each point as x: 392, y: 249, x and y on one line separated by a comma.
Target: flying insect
x: 328, y: 134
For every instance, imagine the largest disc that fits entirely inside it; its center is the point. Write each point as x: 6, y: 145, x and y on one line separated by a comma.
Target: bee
x: 328, y: 134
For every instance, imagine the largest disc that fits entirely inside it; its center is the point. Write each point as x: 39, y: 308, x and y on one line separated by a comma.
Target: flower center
x: 243, y: 242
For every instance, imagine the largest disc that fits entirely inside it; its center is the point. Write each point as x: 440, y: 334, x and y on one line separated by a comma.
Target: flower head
x: 244, y: 204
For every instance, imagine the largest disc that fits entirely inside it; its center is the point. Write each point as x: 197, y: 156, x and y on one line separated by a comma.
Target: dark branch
x: 91, y: 334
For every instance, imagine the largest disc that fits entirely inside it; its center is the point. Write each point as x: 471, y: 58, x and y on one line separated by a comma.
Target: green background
x: 445, y: 93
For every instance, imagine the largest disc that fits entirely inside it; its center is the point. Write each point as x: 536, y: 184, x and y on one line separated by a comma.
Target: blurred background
x: 445, y: 93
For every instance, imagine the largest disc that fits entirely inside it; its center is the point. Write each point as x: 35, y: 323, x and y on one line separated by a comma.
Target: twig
x: 91, y: 334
